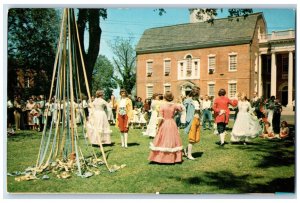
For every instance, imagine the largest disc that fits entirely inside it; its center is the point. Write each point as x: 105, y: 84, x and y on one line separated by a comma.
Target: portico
x: 276, y: 66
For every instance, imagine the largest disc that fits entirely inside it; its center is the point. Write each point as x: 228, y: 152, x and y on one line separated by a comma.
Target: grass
x: 264, y: 166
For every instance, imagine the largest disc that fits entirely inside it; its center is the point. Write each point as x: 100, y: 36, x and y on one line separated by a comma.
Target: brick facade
x: 245, y: 77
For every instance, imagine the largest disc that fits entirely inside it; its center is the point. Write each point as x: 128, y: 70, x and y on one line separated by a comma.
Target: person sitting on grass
x: 284, y: 130
x: 267, y: 131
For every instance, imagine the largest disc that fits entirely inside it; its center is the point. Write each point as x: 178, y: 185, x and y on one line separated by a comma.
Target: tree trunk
x: 92, y: 16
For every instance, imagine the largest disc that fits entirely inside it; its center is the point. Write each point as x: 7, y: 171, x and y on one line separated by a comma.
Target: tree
x: 89, y: 19
x: 211, y: 13
x: 102, y: 76
x: 124, y: 62
x: 32, y: 38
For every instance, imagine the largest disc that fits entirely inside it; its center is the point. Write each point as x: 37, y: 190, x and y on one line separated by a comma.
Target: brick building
x: 226, y: 54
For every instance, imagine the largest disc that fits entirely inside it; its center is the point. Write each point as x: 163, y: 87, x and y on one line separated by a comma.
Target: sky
x: 132, y: 22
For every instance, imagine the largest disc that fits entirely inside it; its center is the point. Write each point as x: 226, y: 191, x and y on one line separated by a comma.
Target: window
x: 167, y: 87
x: 232, y: 62
x: 149, y: 90
x: 167, y: 65
x: 196, y: 66
x: 211, y: 64
x: 189, y: 66
x: 232, y: 89
x: 181, y: 70
x: 149, y: 68
x: 211, y: 89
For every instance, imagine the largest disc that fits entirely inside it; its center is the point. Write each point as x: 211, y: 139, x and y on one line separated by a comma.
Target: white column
x: 290, y: 80
x: 260, y: 93
x: 273, y: 75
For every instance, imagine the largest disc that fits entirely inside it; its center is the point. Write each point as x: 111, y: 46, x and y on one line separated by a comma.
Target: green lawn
x: 264, y: 166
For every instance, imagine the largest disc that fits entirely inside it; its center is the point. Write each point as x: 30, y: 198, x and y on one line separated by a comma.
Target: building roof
x: 222, y: 32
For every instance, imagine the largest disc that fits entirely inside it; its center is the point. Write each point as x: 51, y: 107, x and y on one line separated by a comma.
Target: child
x: 167, y: 145
x: 267, y: 131
x: 35, y: 113
x: 284, y: 130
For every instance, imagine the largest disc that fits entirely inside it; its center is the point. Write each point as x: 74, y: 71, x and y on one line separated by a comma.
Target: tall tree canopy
x: 124, y: 61
x: 32, y: 37
x: 102, y: 76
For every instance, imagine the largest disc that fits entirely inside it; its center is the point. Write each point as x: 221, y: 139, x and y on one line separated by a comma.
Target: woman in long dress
x: 246, y: 125
x: 167, y: 145
x: 98, y: 126
x: 152, y: 125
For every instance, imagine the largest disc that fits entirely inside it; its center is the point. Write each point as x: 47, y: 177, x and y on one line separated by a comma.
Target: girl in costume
x: 193, y: 116
x: 167, y: 146
x: 124, y: 115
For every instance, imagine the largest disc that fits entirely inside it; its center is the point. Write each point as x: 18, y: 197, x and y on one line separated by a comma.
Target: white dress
x: 110, y: 115
x: 152, y: 125
x: 246, y: 125
x: 98, y: 124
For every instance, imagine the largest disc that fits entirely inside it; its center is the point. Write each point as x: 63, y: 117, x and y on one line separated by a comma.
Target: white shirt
x: 10, y: 104
x: 196, y: 104
x: 123, y: 103
x: 206, y: 104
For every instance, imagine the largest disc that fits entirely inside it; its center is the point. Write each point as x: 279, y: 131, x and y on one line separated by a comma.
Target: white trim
x: 208, y: 57
x: 167, y: 85
x: 147, y: 71
x: 167, y: 59
x: 208, y: 84
x: 229, y: 55
x: 231, y: 82
x: 194, y: 76
x: 164, y: 149
x: 147, y: 91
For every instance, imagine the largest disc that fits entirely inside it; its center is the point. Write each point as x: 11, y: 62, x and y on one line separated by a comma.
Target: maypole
x: 60, y: 149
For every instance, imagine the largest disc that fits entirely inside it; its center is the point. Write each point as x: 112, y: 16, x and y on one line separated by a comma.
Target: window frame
x: 147, y: 90
x: 167, y: 73
x: 231, y: 82
x: 208, y: 63
x: 148, y: 73
x: 229, y: 62
x: 167, y: 85
x: 208, y: 89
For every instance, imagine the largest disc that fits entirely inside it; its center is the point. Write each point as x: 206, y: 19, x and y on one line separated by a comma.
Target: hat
x: 168, y: 96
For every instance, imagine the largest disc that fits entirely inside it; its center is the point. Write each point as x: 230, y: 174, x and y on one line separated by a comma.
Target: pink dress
x: 167, y: 145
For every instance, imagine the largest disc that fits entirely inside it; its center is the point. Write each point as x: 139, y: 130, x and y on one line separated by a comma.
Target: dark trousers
x: 206, y: 117
x: 276, y: 122
x: 221, y: 127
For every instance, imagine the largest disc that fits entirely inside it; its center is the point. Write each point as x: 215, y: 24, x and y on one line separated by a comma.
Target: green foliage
x: 32, y: 38
x: 124, y: 61
x: 102, y: 76
x: 264, y: 166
